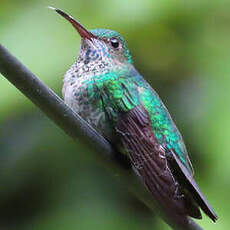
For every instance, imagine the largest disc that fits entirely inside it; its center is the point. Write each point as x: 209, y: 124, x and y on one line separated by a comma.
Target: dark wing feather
x: 149, y: 161
x: 192, y: 187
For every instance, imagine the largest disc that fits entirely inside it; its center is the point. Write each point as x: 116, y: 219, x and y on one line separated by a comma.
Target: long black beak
x: 84, y: 33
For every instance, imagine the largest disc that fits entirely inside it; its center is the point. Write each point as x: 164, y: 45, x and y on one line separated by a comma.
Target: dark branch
x: 54, y: 107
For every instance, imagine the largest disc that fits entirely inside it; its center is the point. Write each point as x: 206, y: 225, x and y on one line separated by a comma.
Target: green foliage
x: 181, y: 47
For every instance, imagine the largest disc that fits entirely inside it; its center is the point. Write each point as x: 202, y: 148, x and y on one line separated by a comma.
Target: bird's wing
x: 152, y: 141
x: 164, y: 128
x: 161, y: 170
x: 133, y: 90
x: 150, y: 163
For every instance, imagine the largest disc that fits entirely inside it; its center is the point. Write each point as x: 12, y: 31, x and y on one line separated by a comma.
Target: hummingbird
x: 106, y: 90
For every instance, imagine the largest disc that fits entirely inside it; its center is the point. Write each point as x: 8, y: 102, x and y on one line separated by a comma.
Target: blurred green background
x: 182, y: 48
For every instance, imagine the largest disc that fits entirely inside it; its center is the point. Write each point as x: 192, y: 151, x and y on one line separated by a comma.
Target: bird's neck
x: 98, y: 68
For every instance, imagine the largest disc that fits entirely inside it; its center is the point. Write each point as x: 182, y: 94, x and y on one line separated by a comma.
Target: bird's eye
x: 114, y: 42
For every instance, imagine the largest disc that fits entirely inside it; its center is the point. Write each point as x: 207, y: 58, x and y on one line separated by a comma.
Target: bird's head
x: 100, y: 48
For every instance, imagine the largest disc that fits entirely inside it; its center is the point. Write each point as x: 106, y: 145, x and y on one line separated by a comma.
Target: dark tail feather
x: 194, y: 190
x: 191, y: 206
x: 202, y: 201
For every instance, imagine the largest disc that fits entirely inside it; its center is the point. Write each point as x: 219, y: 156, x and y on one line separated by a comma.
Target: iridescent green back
x: 164, y: 128
x: 123, y: 90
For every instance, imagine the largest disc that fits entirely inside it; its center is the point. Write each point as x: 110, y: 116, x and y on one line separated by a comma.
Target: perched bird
x: 105, y: 89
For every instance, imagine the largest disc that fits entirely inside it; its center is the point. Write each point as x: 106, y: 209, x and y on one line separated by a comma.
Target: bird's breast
x: 83, y: 97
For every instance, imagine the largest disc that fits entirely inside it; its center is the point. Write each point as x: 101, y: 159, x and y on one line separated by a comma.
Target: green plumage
x: 124, y: 90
